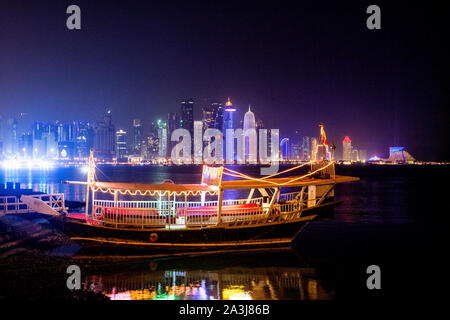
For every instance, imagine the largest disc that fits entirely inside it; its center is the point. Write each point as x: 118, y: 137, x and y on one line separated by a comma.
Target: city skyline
x: 142, y: 141
x: 199, y: 112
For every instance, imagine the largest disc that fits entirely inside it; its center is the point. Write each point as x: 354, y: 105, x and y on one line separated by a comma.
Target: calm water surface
x: 395, y: 217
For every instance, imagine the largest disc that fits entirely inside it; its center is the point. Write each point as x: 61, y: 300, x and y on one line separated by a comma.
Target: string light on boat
x: 238, y: 174
x: 152, y: 193
x: 241, y: 175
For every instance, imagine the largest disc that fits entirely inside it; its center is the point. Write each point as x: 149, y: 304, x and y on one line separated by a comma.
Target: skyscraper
x: 39, y: 132
x: 250, y: 137
x: 296, y: 146
x: 52, y: 142
x: 173, y: 123
x: 187, y: 116
x: 347, y: 149
x: 105, y: 138
x: 11, y: 137
x: 285, y: 149
x: 25, y: 145
x: 152, y: 141
x: 217, y: 108
x: 2, y: 153
x: 162, y: 138
x: 362, y: 155
x: 228, y: 124
x: 306, y: 149
x: 274, y: 142
x: 84, y: 139
x: 314, y: 144
x: 208, y: 118
x: 152, y: 147
x: 198, y: 142
x: 137, y: 136
x: 68, y: 133
x: 228, y: 117
x: 121, y: 144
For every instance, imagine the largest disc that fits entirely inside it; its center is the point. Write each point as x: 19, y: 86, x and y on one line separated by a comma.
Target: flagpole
x: 322, y: 131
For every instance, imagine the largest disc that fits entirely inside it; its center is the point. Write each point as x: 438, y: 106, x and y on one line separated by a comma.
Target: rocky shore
x: 34, y: 258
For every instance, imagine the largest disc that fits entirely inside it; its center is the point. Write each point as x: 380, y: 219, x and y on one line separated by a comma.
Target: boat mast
x: 90, y: 180
x: 323, y: 138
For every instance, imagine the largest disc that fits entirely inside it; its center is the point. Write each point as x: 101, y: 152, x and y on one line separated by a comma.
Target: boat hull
x: 226, y: 236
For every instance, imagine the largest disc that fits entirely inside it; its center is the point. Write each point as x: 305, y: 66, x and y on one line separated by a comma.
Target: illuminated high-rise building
x: 162, y: 138
x: 12, y: 138
x: 173, y: 123
x: 39, y: 131
x: 84, y: 139
x: 250, y: 137
x: 68, y: 133
x: 52, y: 142
x: 285, y: 149
x: 208, y: 120
x: 152, y: 147
x: 187, y: 115
x: 274, y: 141
x: 217, y: 108
x: 296, y: 146
x: 137, y: 136
x: 105, y: 138
x: 314, y: 148
x: 362, y: 155
x: 198, y: 142
x: 121, y: 144
x: 25, y: 146
x: 296, y: 151
x: 355, y: 155
x: 152, y: 141
x: 2, y: 152
x: 228, y: 116
x: 347, y: 149
x: 228, y: 124
x: 306, y: 149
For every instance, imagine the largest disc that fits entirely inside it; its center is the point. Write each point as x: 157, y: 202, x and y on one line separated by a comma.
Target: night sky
x: 295, y: 64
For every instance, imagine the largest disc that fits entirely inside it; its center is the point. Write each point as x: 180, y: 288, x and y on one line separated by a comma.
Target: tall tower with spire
x: 250, y: 137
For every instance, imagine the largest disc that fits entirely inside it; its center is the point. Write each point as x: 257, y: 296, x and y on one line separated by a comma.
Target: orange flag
x: 324, y: 136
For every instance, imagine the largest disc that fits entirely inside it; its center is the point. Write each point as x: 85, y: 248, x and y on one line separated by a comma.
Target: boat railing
x: 120, y: 217
x: 190, y: 213
x: 12, y: 204
x: 289, y: 196
x: 155, y: 204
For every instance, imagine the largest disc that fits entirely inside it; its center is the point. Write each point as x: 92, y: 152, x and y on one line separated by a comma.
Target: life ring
x: 153, y: 237
x: 100, y: 214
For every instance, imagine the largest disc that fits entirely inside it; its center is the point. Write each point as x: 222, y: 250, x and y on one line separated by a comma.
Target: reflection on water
x: 47, y: 180
x: 237, y: 279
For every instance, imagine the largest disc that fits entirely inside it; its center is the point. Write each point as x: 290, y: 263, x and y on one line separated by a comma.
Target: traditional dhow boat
x: 193, y: 217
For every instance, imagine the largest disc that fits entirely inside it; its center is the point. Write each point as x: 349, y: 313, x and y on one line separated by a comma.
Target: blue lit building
x: 228, y: 117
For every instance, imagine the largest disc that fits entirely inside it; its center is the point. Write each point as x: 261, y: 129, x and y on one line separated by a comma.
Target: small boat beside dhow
x: 197, y: 217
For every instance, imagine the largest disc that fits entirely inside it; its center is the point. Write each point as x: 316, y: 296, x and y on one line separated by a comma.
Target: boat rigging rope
x: 238, y: 174
x: 96, y: 168
x: 275, y: 174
